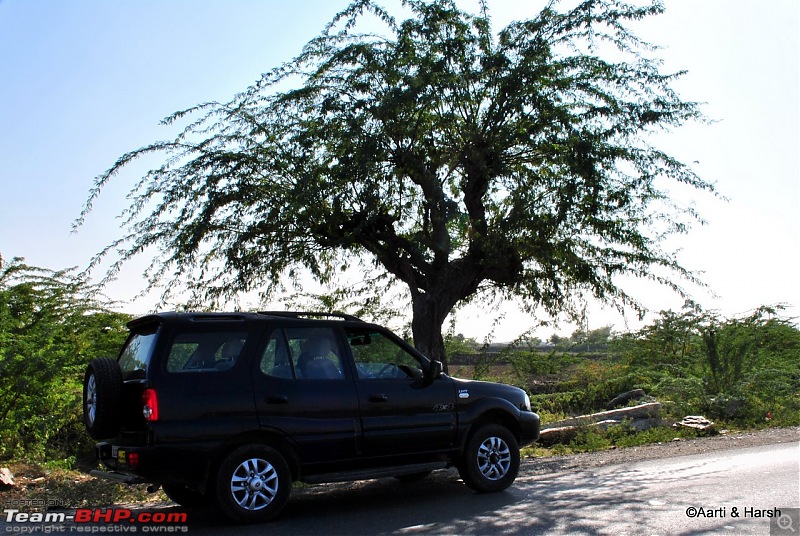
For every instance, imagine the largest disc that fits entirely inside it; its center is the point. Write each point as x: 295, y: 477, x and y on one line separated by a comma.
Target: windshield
x: 136, y: 355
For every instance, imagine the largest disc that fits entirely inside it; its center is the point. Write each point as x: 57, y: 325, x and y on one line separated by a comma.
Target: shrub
x: 51, y: 324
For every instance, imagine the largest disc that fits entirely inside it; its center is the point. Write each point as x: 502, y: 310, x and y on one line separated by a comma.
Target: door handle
x: 378, y: 398
x: 277, y: 399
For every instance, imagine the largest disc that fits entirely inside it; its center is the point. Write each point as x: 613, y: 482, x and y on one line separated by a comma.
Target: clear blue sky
x: 83, y: 81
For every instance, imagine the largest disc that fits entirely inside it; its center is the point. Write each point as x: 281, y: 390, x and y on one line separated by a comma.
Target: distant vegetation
x: 742, y: 371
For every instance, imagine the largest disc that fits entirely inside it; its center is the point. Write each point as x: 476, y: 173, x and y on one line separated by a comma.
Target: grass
x: 621, y: 436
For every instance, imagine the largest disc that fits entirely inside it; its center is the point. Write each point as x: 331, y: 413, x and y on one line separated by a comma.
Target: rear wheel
x: 102, y: 389
x: 253, y: 484
x: 491, y: 459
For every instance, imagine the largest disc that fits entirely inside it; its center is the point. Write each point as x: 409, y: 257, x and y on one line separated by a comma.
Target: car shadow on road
x: 371, y: 507
x: 571, y: 502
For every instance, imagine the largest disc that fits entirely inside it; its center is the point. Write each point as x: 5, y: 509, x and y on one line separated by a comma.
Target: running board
x: 377, y: 472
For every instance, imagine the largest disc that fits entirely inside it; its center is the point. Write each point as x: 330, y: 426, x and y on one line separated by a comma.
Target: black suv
x: 231, y: 408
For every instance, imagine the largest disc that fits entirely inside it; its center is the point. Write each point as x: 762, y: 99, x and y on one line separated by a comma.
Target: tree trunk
x: 426, y: 327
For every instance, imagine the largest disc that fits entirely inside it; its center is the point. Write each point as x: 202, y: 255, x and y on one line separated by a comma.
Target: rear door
x: 401, y: 411
x: 199, y: 382
x: 304, y: 392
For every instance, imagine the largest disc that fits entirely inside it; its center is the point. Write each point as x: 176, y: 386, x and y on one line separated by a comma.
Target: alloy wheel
x: 494, y: 458
x: 254, y: 484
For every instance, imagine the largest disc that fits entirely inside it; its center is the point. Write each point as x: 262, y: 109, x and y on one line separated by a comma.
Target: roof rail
x: 298, y: 314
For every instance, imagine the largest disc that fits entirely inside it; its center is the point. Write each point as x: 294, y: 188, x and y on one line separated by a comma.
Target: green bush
x: 589, y: 440
x: 51, y: 325
x: 560, y: 404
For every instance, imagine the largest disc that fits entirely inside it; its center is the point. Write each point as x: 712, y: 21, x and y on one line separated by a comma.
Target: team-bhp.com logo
x: 152, y: 521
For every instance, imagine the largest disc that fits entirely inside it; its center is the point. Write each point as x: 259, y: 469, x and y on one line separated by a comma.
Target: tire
x: 102, y: 391
x: 253, y: 484
x: 186, y: 497
x: 491, y: 460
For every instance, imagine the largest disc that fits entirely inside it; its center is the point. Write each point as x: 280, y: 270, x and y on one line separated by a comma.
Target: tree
x: 460, y: 161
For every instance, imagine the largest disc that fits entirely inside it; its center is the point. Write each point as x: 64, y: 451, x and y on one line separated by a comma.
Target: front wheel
x: 491, y: 460
x: 253, y: 484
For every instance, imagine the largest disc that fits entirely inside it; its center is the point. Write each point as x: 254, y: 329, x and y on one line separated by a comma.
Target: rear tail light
x: 150, y: 405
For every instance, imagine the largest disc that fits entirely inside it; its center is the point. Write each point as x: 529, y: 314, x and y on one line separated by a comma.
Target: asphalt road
x: 716, y: 492
x: 650, y: 497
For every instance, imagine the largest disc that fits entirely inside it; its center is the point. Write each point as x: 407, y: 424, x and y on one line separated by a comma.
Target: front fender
x: 523, y: 424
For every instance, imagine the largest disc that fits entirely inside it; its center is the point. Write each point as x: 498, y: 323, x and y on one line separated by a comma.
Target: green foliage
x: 555, y: 406
x: 625, y: 436
x: 744, y: 371
x: 457, y: 159
x: 586, y: 387
x: 681, y: 395
x: 527, y: 365
x: 51, y: 325
x: 737, y: 369
x: 589, y: 440
x: 459, y: 344
x: 740, y: 372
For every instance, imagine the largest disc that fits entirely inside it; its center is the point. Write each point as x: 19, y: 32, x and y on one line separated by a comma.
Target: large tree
x: 461, y: 160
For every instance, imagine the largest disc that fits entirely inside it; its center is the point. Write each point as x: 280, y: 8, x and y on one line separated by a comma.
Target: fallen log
x: 648, y: 410
x: 640, y: 417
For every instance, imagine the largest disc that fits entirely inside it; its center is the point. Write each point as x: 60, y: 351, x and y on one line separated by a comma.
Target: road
x: 645, y: 497
x: 650, y: 497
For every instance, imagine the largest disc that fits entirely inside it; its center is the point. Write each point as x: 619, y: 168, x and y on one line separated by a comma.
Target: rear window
x: 205, y: 351
x: 136, y: 354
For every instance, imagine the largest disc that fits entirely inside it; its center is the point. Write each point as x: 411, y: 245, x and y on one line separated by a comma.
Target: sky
x: 84, y: 81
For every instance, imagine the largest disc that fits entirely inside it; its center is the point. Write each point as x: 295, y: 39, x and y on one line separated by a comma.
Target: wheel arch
x: 270, y: 438
x: 492, y: 411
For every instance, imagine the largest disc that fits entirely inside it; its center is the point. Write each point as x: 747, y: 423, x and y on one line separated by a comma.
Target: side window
x: 378, y: 357
x: 276, y: 360
x: 315, y: 353
x: 205, y: 351
x: 135, y: 357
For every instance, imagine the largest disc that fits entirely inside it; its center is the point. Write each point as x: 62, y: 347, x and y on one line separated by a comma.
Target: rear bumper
x: 529, y: 426
x: 187, y: 465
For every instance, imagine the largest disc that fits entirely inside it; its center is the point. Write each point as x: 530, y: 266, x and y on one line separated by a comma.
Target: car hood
x: 467, y: 390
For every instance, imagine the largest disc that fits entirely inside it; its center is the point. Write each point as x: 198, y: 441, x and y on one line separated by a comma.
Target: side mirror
x: 435, y: 370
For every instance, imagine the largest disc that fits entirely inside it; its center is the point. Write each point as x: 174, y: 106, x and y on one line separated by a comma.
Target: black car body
x: 230, y: 408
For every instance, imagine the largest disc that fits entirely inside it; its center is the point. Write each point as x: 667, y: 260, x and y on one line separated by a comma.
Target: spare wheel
x: 102, y: 389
